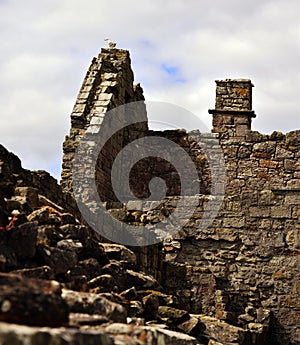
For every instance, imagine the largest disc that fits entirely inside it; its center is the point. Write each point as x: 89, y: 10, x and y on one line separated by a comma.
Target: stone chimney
x: 233, y: 113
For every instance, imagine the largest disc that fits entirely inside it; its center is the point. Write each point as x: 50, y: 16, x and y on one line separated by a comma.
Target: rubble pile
x: 59, y: 284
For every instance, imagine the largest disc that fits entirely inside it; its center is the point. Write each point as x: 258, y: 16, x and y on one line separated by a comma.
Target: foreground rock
x: 112, y: 334
x: 32, y: 301
x: 218, y: 331
x: 89, y: 303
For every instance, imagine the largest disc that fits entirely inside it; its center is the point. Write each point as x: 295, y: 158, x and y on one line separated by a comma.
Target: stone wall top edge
x: 114, y: 51
x: 239, y: 80
x: 276, y: 133
x: 252, y: 136
x: 294, y: 131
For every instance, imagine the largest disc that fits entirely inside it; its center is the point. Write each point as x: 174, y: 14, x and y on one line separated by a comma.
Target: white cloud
x: 46, y: 48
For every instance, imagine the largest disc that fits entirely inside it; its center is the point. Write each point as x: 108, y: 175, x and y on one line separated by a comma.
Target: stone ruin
x: 243, y: 269
x: 234, y: 281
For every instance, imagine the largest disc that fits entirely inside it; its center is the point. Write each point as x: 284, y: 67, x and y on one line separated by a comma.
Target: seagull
x: 110, y: 43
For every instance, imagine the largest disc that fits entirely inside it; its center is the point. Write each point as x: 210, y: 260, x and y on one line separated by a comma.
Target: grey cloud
x: 47, y: 47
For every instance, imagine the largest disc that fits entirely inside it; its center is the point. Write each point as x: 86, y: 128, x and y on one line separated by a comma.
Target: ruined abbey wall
x: 107, y: 85
x: 243, y: 267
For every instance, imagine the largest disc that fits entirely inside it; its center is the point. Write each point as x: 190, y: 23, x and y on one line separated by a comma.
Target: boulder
x: 173, y: 316
x: 32, y: 302
x: 140, y: 280
x: 151, y: 304
x: 31, y: 195
x: 103, y: 283
x: 8, y: 259
x: 88, y: 303
x: 23, y: 239
x: 89, y: 268
x: 42, y: 272
x: 41, y: 215
x: 59, y: 259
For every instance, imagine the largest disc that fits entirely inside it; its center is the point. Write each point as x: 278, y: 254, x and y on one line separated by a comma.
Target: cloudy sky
x: 178, y: 48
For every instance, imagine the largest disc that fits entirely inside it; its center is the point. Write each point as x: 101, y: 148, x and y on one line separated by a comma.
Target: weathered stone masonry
x: 108, y: 84
x: 245, y: 267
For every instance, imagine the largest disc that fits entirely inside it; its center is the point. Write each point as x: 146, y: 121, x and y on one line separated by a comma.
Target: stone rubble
x: 60, y: 284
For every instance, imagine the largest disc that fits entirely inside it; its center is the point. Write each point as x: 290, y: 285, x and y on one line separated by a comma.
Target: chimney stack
x: 233, y: 110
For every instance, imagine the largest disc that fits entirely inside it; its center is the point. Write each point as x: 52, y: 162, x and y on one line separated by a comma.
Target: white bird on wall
x: 110, y: 43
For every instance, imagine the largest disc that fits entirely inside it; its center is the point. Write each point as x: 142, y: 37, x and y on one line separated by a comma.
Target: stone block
x: 83, y: 95
x: 101, y: 103
x: 8, y: 259
x: 104, y: 96
x: 266, y: 197
x: 227, y: 234
x: 221, y: 331
x: 289, y: 301
x: 41, y: 215
x: 259, y: 212
x: 282, y: 153
x: 109, y: 76
x: 79, y: 108
x: 290, y: 165
x: 58, y: 259
x: 140, y: 280
x: 293, y: 138
x: 281, y: 212
x: 97, y: 120
x: 89, y: 268
x: 241, y: 120
x: 235, y: 222
x: 294, y: 184
x: 88, y: 303
x: 268, y: 164
x: 296, y: 212
x: 43, y: 272
x: 242, y: 130
x: 263, y: 155
x: 119, y: 252
x: 265, y: 147
x: 31, y: 194
x: 293, y: 239
x: 23, y: 240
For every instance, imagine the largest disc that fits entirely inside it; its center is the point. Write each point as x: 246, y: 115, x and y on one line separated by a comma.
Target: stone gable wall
x: 107, y: 85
